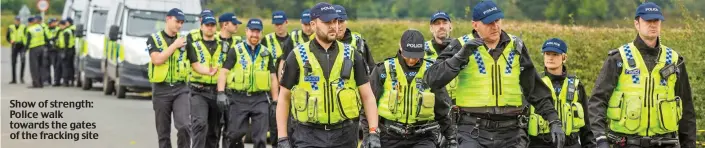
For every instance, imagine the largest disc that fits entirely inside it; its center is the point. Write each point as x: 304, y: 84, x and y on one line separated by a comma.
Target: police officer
x: 497, y: 82
x: 168, y: 71
x: 305, y: 34
x: 569, y: 99
x: 36, y: 46
x: 15, y: 35
x: 321, y: 83
x: 50, y: 57
x: 206, y: 56
x: 440, y: 27
x: 642, y: 96
x: 65, y: 48
x: 279, y: 41
x: 196, y: 34
x: 353, y: 38
x: 249, y: 78
x: 228, y: 28
x: 410, y: 112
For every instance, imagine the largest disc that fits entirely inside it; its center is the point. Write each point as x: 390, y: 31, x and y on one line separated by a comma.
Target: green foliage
x: 14, y: 6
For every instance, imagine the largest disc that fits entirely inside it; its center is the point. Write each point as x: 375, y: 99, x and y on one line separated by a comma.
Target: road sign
x: 43, y: 5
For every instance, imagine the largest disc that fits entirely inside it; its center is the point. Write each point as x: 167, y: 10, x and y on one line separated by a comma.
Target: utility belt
x: 466, y: 118
x: 406, y: 130
x: 339, y: 125
x: 570, y: 140
x: 203, y: 88
x: 170, y: 84
x: 245, y: 93
x: 649, y: 141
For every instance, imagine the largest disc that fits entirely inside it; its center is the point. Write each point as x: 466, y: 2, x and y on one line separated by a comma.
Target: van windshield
x: 143, y: 23
x: 77, y: 16
x: 98, y: 21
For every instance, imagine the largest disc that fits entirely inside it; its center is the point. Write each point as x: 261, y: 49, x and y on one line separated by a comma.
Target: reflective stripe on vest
x: 250, y: 75
x: 570, y: 111
x: 274, y: 46
x: 489, y: 83
x: 174, y: 69
x: 208, y: 59
x: 318, y: 100
x: 38, y: 38
x: 644, y: 102
x: 403, y: 102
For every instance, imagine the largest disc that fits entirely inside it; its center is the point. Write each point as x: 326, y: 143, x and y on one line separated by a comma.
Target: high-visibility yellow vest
x: 16, y: 32
x: 489, y: 83
x: 61, y: 43
x: 235, y: 39
x: 274, y: 46
x: 318, y: 100
x: 298, y: 37
x: 195, y: 35
x: 570, y: 110
x: 250, y: 75
x: 403, y: 102
x: 38, y: 38
x: 52, y: 33
x: 175, y: 69
x: 644, y: 102
x: 208, y: 59
x: 430, y: 50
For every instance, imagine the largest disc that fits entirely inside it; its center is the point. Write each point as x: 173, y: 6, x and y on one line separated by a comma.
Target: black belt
x: 327, y: 127
x: 245, y: 93
x: 573, y: 139
x: 410, y: 129
x: 649, y: 141
x: 485, y: 123
x: 171, y: 83
x: 199, y: 87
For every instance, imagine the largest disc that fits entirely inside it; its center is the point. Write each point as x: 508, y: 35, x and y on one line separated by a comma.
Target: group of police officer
x: 316, y: 87
x: 50, y: 45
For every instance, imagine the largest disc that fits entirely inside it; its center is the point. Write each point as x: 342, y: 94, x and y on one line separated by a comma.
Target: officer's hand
x: 557, y: 134
x: 471, y: 45
x: 179, y: 42
x: 223, y: 101
x: 603, y: 144
x: 212, y: 71
x: 283, y: 142
x: 373, y: 141
x: 452, y: 143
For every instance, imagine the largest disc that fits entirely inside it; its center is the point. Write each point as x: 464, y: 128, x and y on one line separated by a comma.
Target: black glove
x: 603, y: 144
x: 467, y: 49
x: 283, y: 142
x: 452, y: 143
x: 223, y: 101
x: 372, y: 141
x: 557, y: 134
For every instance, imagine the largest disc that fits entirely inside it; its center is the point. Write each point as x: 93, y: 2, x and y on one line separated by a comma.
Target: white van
x: 74, y: 9
x: 129, y: 24
x: 90, y: 33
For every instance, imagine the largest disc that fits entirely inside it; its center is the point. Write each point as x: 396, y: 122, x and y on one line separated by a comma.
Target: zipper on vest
x: 408, y: 102
x: 495, y: 71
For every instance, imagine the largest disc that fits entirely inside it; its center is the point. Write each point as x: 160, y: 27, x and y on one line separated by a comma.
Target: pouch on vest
x: 614, y: 106
x: 348, y: 103
x: 299, y: 99
x: 158, y: 73
x: 578, y: 116
x: 633, y: 112
x: 533, y: 124
x: 667, y: 70
x: 670, y: 112
x: 393, y: 100
x: 347, y: 68
x: 262, y: 80
x: 567, y: 118
x: 427, y: 103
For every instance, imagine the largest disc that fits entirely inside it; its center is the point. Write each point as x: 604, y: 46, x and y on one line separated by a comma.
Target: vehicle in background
x: 89, y: 35
x: 130, y: 23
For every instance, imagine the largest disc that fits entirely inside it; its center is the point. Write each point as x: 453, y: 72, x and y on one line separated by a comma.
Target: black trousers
x: 167, y: 100
x: 505, y: 137
x: 273, y: 133
x: 310, y: 137
x: 390, y: 139
x: 205, y: 119
x: 35, y: 69
x: 18, y: 51
x: 66, y: 57
x: 48, y: 62
x: 544, y: 141
x: 243, y: 112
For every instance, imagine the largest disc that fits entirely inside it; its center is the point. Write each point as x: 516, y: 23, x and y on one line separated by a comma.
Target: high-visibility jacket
x: 570, y: 110
x: 644, y: 102
x: 318, y: 100
x: 175, y: 69
x: 16, y: 32
x: 274, y: 45
x: 404, y: 102
x: 38, y: 36
x: 250, y: 75
x: 487, y: 82
x: 298, y: 37
x: 208, y: 59
x: 431, y: 53
x: 61, y: 43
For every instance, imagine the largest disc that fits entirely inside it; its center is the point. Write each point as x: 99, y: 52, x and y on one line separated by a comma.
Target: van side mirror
x: 80, y: 30
x: 114, y: 33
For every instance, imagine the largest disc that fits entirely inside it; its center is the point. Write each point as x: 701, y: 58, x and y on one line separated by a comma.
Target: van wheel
x: 108, y: 86
x: 87, y: 83
x: 121, y: 90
